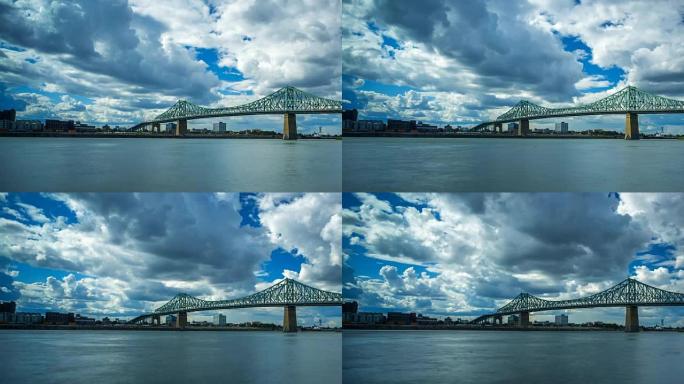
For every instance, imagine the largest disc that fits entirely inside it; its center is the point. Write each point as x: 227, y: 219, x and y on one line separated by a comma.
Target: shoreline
x: 348, y: 327
x: 43, y: 327
x: 154, y: 136
x: 490, y: 136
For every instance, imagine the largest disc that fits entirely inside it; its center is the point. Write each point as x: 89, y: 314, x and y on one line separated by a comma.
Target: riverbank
x: 45, y: 327
x: 136, y: 135
x: 466, y: 327
x: 495, y: 136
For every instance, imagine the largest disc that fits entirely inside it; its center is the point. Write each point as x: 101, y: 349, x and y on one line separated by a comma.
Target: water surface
x: 526, y: 165
x: 169, y: 165
x: 512, y: 357
x: 104, y: 357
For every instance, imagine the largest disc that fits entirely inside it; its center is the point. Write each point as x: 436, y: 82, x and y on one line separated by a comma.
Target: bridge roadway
x: 629, y: 293
x: 287, y: 101
x: 629, y: 101
x: 288, y: 294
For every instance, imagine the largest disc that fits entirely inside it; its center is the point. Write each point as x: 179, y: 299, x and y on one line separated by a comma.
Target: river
x: 524, y: 165
x: 512, y: 357
x: 169, y: 165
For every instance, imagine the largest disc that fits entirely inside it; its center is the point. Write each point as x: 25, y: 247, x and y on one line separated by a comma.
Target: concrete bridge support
x: 181, y: 127
x: 523, y: 127
x: 156, y: 127
x: 156, y: 320
x: 498, y: 128
x: 182, y: 320
x: 290, y: 126
x: 290, y: 319
x: 632, y: 126
x: 524, y: 319
x: 498, y: 320
x: 632, y: 318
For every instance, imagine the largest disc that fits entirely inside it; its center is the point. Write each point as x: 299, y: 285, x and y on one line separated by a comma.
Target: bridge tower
x: 632, y: 126
x: 290, y: 126
x: 523, y: 127
x: 181, y: 127
x: 632, y: 318
x: 290, y: 319
x: 182, y: 320
x: 525, y: 319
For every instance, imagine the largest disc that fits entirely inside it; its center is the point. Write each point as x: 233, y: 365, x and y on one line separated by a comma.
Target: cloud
x: 471, y: 253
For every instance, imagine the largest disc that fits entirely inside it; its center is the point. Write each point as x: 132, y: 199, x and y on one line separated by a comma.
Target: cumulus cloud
x: 464, y: 254
x: 125, y: 254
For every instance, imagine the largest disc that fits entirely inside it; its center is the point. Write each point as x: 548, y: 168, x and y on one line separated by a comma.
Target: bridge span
x: 288, y: 294
x: 629, y: 293
x: 288, y: 101
x: 630, y: 101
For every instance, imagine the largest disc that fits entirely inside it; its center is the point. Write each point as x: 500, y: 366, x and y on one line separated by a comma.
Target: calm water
x: 83, y: 164
x: 512, y: 357
x: 483, y: 165
x: 169, y: 357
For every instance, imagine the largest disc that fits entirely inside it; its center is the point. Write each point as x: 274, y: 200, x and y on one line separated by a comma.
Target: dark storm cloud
x: 107, y: 38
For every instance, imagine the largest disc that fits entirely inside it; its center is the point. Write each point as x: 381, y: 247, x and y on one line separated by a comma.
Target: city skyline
x: 121, y: 255
x: 463, y: 255
x: 120, y: 63
x: 473, y: 61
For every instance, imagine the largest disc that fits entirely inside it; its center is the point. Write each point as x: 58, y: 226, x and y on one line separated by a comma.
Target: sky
x: 124, y: 61
x: 121, y: 255
x: 463, y: 255
x: 465, y: 62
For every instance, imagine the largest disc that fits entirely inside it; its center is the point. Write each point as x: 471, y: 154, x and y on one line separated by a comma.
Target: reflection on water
x: 169, y: 357
x: 482, y: 165
x: 87, y: 164
x: 512, y: 357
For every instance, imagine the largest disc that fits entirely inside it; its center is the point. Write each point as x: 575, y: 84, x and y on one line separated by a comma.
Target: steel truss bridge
x: 288, y: 293
x: 287, y: 101
x: 629, y: 293
x: 629, y: 101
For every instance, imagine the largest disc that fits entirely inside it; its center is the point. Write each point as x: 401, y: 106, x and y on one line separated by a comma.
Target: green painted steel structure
x: 628, y: 100
x: 285, y: 100
x: 628, y: 292
x: 285, y: 293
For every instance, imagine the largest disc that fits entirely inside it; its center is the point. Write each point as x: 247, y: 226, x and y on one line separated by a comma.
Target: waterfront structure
x: 629, y: 293
x: 220, y: 320
x: 8, y: 114
x: 561, y: 319
x: 512, y: 127
x: 287, y: 101
x: 219, y: 127
x: 629, y: 101
x: 561, y: 127
x: 170, y: 127
x: 288, y: 294
x: 56, y: 318
x: 59, y: 126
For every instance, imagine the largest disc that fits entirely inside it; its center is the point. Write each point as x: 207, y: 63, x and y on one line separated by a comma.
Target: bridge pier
x: 632, y: 318
x: 290, y: 319
x: 523, y: 127
x: 156, y: 127
x: 182, y: 320
x: 181, y: 127
x: 156, y: 320
x: 498, y: 128
x: 632, y: 126
x: 290, y: 126
x: 524, y: 319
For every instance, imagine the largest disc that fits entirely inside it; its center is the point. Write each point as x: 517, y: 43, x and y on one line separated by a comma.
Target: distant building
x: 562, y: 319
x: 78, y: 127
x: 220, y: 127
x: 350, y: 307
x: 513, y: 319
x: 8, y: 114
x: 220, y: 319
x: 28, y: 126
x: 399, y: 318
x: 512, y: 127
x: 7, y: 125
x: 8, y: 306
x: 425, y: 320
x: 170, y: 127
x: 350, y: 114
x: 562, y: 127
x: 401, y: 125
x: 28, y: 318
x: 83, y: 320
x: 56, y: 318
x: 171, y: 320
x: 59, y: 125
x: 422, y: 127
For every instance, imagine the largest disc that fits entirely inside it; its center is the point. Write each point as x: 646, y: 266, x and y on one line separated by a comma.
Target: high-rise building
x: 350, y: 114
x: 562, y: 127
x: 8, y: 114
x: 220, y: 319
x: 8, y: 306
x: 59, y: 126
x: 562, y: 319
x: 220, y: 127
